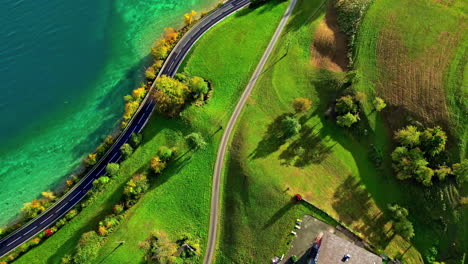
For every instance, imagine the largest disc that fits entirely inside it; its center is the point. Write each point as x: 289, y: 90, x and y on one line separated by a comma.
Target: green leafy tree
x: 345, y: 104
x: 407, y: 162
x: 379, y: 104
x: 460, y: 170
x: 135, y: 140
x: 126, y: 150
x: 301, y: 105
x: 199, y: 87
x: 88, y: 248
x: 150, y: 73
x: 424, y: 174
x: 100, y: 182
x: 290, y: 126
x: 165, y: 153
x: 346, y: 120
x: 433, y: 140
x: 404, y: 229
x: 195, y: 141
x: 112, y: 169
x: 160, y: 50
x: 408, y: 136
x: 442, y: 172
x: 398, y: 213
x: 170, y: 95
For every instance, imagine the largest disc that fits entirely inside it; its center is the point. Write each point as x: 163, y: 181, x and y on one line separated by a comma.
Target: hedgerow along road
x: 136, y: 124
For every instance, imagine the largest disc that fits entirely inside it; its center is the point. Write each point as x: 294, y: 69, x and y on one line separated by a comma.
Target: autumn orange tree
x: 170, y: 35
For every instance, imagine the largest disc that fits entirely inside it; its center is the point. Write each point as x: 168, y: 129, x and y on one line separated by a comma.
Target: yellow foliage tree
x: 170, y: 95
x: 189, y: 17
x: 130, y: 109
x: 157, y: 164
x: 49, y: 195
x: 138, y: 93
x: 102, y: 231
x: 91, y: 159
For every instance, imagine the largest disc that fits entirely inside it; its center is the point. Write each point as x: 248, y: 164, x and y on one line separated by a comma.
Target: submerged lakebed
x: 64, y: 68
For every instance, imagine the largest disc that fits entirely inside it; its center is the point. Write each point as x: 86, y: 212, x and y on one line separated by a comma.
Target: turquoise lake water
x: 64, y: 68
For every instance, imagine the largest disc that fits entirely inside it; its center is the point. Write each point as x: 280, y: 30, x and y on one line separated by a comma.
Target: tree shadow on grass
x: 272, y: 139
x: 283, y: 210
x: 312, y: 146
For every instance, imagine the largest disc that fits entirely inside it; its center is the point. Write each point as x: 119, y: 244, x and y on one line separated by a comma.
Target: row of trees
x: 347, y: 108
x: 419, y: 156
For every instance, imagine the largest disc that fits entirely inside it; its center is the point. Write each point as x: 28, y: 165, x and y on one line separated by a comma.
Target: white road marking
x: 43, y: 221
x: 75, y: 196
x: 30, y: 231
x: 61, y: 207
x: 86, y: 186
x: 13, y: 241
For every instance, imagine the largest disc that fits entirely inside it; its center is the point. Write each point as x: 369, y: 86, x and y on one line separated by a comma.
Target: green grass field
x: 178, y: 201
x: 262, y: 172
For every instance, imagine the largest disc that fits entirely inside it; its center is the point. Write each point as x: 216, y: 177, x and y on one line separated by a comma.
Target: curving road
x: 136, y: 124
x: 212, y: 234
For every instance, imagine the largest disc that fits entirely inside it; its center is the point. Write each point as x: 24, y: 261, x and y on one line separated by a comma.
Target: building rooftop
x: 333, y: 249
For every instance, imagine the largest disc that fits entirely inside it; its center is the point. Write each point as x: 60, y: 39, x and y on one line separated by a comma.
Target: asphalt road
x: 136, y: 124
x: 212, y: 234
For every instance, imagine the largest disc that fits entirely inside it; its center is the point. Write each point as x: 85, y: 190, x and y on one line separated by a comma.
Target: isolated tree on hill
x: 301, y: 105
x: 433, y: 140
x: 157, y: 164
x: 290, y: 126
x: 126, y: 150
x: 347, y: 120
x: 170, y: 95
x: 345, y: 104
x: 112, y: 169
x: 199, y: 87
x: 379, y: 104
x: 460, y: 170
x: 408, y: 136
x: 189, y: 17
x: 195, y: 141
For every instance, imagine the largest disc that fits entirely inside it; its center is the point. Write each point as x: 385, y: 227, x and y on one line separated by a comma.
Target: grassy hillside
x: 178, y: 201
x: 413, y: 53
x: 333, y: 172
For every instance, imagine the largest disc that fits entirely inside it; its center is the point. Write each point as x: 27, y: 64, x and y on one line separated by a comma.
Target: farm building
x: 335, y: 250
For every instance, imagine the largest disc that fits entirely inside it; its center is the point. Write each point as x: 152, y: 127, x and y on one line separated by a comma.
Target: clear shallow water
x: 64, y: 68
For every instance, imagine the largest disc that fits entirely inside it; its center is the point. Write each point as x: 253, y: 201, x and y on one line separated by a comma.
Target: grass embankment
x: 178, y: 201
x: 334, y: 173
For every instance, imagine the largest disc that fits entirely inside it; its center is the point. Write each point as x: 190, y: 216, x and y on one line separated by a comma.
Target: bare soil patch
x: 329, y: 47
x: 413, y: 84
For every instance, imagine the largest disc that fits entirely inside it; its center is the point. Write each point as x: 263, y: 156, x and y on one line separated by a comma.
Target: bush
x: 379, y: 104
x: 376, y: 156
x: 126, y: 150
x: 136, y: 186
x: 460, y: 170
x: 157, y: 164
x: 91, y: 159
x: 195, y: 141
x: 293, y: 258
x: 346, y: 120
x: 112, y: 169
x: 198, y: 87
x: 150, y: 74
x: 301, y: 105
